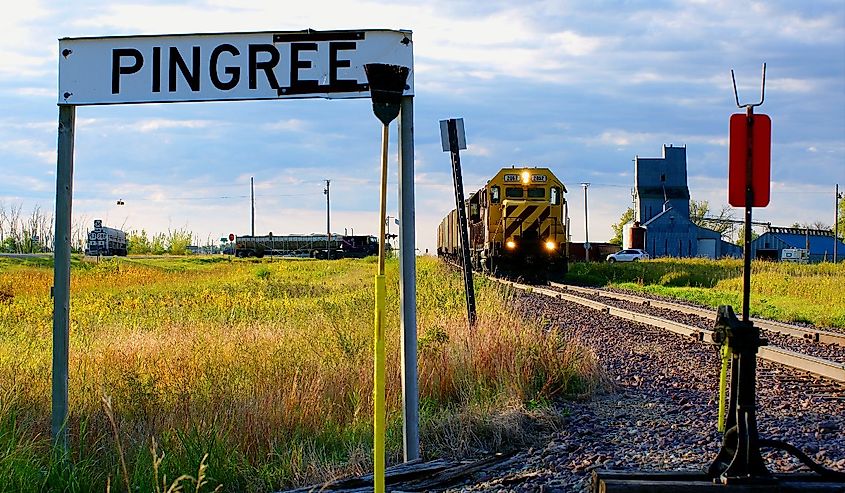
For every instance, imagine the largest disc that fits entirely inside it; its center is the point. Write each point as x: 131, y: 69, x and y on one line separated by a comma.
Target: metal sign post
x: 586, y: 225
x: 837, y: 196
x: 453, y: 140
x: 327, y: 192
x: 408, y: 282
x: 230, y: 67
x: 61, y: 276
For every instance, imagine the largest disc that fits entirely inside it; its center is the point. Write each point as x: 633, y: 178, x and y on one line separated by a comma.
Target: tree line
x: 25, y: 233
x: 33, y: 232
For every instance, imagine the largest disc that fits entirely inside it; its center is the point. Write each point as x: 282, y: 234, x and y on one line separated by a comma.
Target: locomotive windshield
x: 513, y: 192
x: 536, y: 193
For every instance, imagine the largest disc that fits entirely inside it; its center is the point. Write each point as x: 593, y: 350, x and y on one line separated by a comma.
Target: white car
x: 629, y: 255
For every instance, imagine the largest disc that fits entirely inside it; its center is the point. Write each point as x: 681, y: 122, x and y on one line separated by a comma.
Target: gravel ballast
x: 660, y: 411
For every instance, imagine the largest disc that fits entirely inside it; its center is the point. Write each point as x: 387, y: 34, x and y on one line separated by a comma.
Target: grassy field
x: 790, y: 292
x: 264, y: 366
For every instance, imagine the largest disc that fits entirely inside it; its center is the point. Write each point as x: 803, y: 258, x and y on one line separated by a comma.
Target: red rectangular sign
x: 761, y: 159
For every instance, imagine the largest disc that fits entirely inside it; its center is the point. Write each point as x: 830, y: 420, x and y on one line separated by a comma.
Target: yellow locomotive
x: 519, y: 219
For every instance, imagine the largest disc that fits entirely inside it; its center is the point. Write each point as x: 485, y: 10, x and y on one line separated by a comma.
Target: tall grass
x: 266, y: 367
x: 784, y: 291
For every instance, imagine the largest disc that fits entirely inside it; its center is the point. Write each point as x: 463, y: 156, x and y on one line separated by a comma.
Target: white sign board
x: 218, y: 67
x: 444, y: 134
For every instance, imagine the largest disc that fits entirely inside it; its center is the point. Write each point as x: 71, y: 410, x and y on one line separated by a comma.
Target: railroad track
x: 822, y: 367
x: 812, y: 333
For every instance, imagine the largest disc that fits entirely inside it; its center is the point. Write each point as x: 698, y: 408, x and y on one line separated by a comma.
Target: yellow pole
x: 723, y: 386
x: 378, y: 349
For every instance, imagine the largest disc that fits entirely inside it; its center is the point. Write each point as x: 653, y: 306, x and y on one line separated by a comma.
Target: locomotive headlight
x: 550, y: 245
x: 526, y: 176
x: 510, y: 244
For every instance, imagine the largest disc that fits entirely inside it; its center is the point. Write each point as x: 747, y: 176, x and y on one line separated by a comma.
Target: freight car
x: 285, y: 245
x: 103, y: 240
x: 518, y: 220
x: 350, y: 247
x: 313, y: 245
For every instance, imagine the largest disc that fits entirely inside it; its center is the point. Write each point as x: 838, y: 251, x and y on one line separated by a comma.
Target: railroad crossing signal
x: 231, y: 237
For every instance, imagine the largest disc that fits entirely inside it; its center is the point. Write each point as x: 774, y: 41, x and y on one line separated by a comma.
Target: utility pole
x: 836, y: 224
x: 328, y: 223
x: 252, y: 201
x: 586, y: 225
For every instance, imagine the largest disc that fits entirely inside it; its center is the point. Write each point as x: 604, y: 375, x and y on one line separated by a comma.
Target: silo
x: 633, y: 236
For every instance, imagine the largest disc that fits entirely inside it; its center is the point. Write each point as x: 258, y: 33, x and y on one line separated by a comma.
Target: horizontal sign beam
x: 221, y: 67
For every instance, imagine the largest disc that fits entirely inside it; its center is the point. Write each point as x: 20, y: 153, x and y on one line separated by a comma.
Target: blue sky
x: 580, y: 87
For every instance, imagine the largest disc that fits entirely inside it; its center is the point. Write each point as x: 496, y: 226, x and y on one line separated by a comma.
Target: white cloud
x: 291, y: 125
x: 39, y: 92
x: 155, y: 125
x: 787, y: 84
x: 22, y: 54
x: 30, y: 147
x: 479, y: 150
x: 574, y: 44
x: 622, y: 138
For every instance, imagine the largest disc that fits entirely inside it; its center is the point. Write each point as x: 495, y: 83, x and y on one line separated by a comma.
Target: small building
x: 819, y: 242
x: 662, y: 206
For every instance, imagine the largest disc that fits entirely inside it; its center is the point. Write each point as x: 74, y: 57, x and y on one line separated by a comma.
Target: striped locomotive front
x: 519, y: 218
x: 524, y: 219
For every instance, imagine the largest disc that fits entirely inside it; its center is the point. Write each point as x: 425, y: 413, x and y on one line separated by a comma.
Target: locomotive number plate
x: 538, y: 178
x: 511, y: 177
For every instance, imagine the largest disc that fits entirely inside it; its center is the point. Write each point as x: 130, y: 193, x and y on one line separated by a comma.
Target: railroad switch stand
x: 739, y: 460
x: 738, y: 466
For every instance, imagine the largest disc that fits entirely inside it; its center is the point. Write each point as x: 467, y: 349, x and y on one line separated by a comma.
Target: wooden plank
x: 610, y: 481
x: 643, y: 486
x: 414, y: 475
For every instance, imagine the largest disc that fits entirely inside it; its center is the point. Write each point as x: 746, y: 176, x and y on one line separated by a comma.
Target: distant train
x: 103, y: 240
x: 518, y: 220
x: 314, y: 245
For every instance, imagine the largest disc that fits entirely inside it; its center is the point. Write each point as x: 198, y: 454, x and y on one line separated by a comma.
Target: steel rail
x: 814, y: 334
x: 792, y: 359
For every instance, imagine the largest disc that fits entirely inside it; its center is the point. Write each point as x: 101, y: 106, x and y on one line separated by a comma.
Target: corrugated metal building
x: 662, y: 207
x: 770, y: 244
